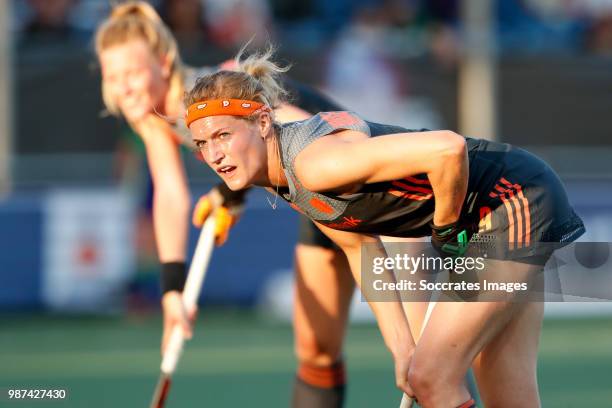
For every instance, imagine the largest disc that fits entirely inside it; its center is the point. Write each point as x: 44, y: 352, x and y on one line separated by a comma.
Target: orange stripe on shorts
x: 525, y: 202
x: 519, y: 217
x: 509, y: 212
x: 526, y: 209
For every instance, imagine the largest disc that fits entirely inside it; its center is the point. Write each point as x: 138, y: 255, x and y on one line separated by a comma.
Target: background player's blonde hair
x: 138, y: 20
x: 255, y: 78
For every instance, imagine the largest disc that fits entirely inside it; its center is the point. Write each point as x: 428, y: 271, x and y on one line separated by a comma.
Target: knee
x: 423, y: 382
x: 434, y: 386
x: 319, y: 352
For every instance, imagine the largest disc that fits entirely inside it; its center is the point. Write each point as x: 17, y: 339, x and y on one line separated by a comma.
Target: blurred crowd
x: 395, y: 27
x: 351, y: 39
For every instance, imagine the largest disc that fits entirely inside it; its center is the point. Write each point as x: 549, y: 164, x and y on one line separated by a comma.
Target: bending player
x: 344, y: 173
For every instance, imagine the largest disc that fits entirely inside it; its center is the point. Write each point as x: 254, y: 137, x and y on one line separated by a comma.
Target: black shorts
x: 526, y: 214
x: 309, y: 234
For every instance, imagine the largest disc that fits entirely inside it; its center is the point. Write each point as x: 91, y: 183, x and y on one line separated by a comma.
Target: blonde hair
x: 255, y: 78
x: 139, y: 20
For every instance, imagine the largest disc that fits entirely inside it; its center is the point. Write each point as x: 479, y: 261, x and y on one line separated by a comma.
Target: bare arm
x: 171, y: 200
x: 390, y: 316
x: 347, y: 159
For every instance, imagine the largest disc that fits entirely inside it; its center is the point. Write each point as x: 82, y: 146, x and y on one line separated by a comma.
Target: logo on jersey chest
x: 345, y: 223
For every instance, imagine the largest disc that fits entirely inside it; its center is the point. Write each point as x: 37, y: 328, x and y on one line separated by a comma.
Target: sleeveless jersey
x: 402, y: 208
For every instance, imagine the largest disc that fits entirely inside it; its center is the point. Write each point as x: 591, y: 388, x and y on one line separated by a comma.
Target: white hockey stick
x: 191, y: 293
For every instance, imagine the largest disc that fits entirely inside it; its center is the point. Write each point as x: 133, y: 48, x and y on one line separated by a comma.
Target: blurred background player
x: 143, y: 80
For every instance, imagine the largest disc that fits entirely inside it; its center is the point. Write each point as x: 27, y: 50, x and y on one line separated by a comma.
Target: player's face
x: 233, y: 147
x: 135, y: 78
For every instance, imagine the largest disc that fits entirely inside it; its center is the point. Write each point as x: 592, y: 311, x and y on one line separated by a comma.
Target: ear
x: 166, y: 67
x: 265, y: 123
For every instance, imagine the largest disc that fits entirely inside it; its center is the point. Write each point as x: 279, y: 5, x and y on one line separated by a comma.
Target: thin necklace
x: 273, y: 204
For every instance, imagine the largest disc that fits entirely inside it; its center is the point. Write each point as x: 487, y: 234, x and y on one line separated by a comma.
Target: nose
x: 213, y: 152
x: 125, y: 88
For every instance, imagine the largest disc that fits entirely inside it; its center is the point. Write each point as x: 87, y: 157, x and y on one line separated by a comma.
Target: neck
x: 275, y: 174
x: 171, y: 103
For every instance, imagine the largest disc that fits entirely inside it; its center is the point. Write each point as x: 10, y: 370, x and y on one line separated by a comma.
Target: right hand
x: 227, y: 213
x: 452, y: 239
x: 175, y: 314
x: 402, y: 359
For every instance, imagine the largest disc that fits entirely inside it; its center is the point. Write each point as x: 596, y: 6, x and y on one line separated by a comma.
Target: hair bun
x: 135, y: 8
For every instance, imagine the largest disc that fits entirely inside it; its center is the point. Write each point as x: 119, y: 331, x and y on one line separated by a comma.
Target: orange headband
x: 216, y: 107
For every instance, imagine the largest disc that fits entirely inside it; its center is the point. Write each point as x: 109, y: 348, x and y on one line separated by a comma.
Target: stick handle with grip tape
x: 191, y: 293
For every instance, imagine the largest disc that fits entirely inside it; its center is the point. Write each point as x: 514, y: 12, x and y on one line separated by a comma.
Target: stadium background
x: 78, y: 272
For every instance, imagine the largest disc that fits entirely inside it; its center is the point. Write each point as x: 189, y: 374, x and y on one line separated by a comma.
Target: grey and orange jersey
x: 401, y: 207
x: 513, y: 197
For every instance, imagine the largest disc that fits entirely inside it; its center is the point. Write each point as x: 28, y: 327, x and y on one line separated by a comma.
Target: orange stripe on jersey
x: 525, y: 202
x: 321, y: 206
x: 340, y: 119
x: 408, y: 187
x: 417, y: 181
x: 403, y: 194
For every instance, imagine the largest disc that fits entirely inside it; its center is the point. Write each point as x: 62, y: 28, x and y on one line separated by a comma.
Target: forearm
x: 390, y: 315
x: 171, y: 199
x: 171, y: 223
x: 449, y: 181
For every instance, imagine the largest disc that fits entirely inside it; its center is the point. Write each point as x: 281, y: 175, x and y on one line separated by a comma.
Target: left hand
x: 227, y: 206
x: 451, y: 239
x: 175, y: 314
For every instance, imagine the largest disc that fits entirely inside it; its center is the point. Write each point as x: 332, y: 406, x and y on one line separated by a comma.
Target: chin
x: 135, y: 114
x: 236, y: 185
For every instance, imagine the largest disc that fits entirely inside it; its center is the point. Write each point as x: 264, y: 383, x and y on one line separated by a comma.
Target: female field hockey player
x: 358, y: 180
x: 143, y: 79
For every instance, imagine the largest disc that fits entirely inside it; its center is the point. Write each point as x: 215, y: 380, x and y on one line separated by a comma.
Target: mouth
x: 226, y: 171
x: 133, y: 101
